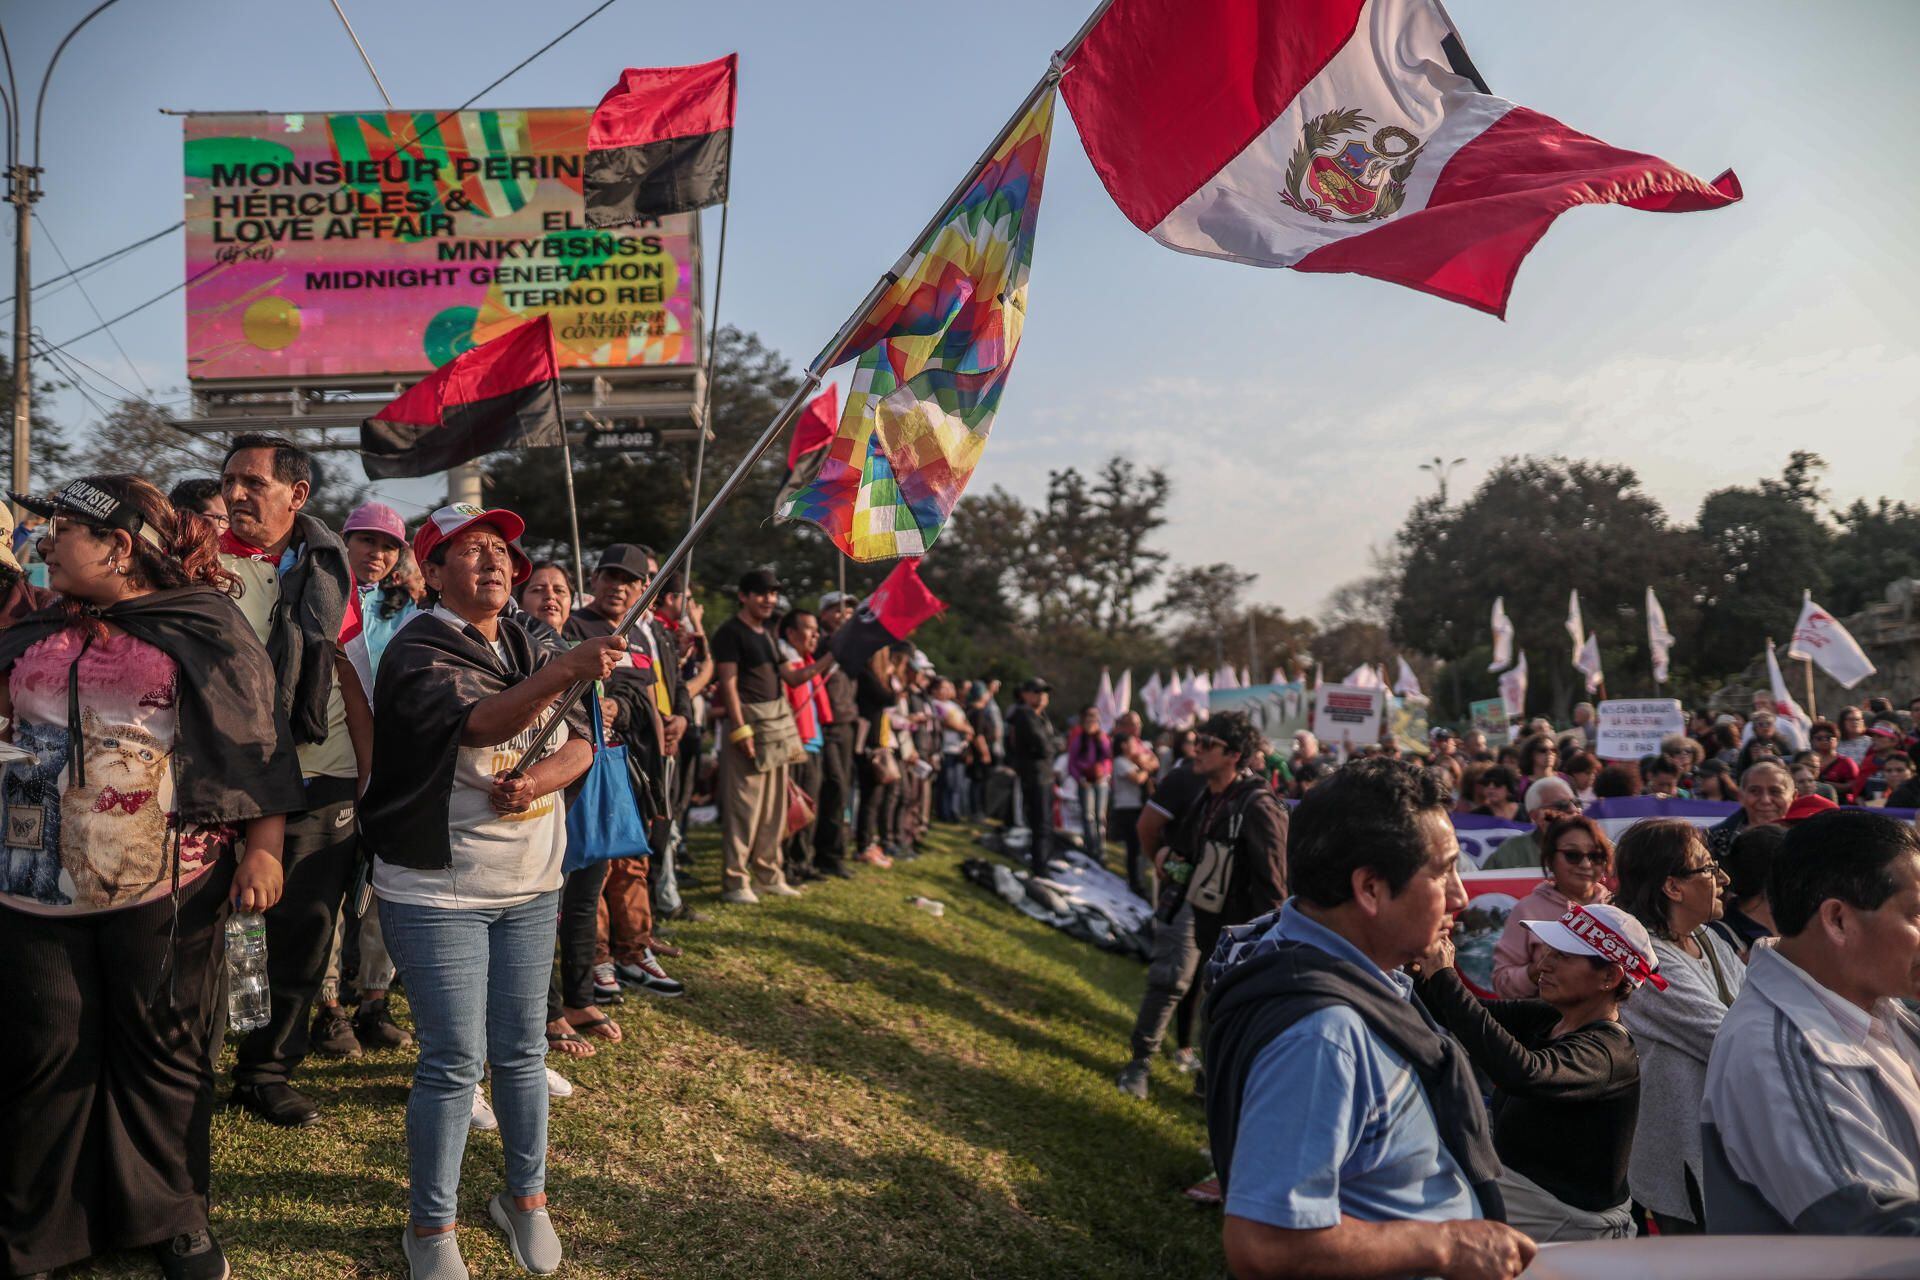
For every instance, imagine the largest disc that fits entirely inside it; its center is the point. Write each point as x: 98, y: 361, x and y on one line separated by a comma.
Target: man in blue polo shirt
x: 1347, y: 1127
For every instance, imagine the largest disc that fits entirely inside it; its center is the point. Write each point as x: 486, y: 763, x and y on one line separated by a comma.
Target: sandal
x: 600, y: 1028
x: 569, y: 1043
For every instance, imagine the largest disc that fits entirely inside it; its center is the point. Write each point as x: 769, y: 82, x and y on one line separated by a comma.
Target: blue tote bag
x: 603, y: 821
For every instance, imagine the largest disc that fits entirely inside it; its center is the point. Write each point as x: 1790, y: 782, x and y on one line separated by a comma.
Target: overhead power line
x: 93, y: 306
x: 101, y: 260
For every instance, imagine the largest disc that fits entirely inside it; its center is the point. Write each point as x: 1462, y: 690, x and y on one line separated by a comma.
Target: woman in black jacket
x: 1565, y: 1074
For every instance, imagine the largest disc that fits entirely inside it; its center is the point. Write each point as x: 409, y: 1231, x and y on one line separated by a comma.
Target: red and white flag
x: 1819, y: 638
x: 1339, y: 135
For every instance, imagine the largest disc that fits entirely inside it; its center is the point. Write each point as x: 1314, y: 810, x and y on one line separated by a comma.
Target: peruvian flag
x: 898, y: 605
x: 1339, y: 135
x: 502, y: 394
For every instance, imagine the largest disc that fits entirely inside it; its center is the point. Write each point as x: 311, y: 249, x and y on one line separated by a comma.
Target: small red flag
x: 818, y: 421
x: 897, y: 606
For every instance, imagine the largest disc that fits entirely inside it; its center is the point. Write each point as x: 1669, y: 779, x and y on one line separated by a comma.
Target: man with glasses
x: 1226, y: 862
x: 1548, y: 800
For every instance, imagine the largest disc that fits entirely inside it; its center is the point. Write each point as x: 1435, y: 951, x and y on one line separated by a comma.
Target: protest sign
x: 1489, y: 716
x: 1346, y: 716
x: 1633, y: 727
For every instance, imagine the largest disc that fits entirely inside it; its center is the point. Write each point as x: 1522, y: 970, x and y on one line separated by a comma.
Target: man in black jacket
x: 1032, y: 746
x: 294, y: 587
x: 1226, y: 864
x: 836, y: 749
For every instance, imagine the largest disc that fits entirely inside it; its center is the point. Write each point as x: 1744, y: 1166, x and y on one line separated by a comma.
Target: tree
x: 1131, y: 504
x: 1534, y: 530
x: 135, y: 437
x: 1874, y: 546
x: 1202, y: 606
x: 1764, y: 546
x: 51, y: 454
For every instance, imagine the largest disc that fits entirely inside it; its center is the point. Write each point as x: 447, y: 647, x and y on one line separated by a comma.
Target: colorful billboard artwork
x: 1278, y: 711
x: 315, y: 250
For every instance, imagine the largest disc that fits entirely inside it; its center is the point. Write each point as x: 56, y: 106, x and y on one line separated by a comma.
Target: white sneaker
x: 558, y: 1086
x: 483, y: 1117
x: 781, y: 890
x: 741, y: 897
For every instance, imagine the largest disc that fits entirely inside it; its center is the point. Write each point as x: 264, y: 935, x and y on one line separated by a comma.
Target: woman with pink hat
x: 1565, y: 1073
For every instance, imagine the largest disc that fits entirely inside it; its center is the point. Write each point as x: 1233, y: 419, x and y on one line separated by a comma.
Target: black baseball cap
x: 93, y: 505
x: 1036, y: 685
x: 759, y: 582
x: 625, y: 557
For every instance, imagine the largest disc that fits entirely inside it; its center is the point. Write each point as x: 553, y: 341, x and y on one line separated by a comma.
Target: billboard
x: 365, y: 244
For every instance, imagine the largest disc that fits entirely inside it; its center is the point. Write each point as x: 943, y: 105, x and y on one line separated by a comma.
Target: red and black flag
x: 661, y: 141
x: 808, y: 449
x: 503, y: 394
x: 899, y: 604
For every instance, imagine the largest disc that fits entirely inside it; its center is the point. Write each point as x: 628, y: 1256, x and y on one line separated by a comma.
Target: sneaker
x: 741, y: 897
x: 780, y: 889
x: 558, y: 1086
x: 280, y: 1104
x: 606, y: 985
x: 1186, y: 1061
x: 435, y: 1257
x: 837, y: 871
x: 482, y: 1118
x: 1132, y: 1079
x: 647, y: 975
x: 664, y: 950
x: 194, y: 1255
x: 873, y: 856
x: 373, y: 1024
x: 332, y: 1034
x: 684, y: 914
x: 530, y: 1235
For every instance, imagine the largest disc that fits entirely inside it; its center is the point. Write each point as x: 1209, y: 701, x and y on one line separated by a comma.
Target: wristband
x: 741, y: 733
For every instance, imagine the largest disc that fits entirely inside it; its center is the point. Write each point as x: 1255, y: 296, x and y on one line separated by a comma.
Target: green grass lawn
x: 850, y: 1088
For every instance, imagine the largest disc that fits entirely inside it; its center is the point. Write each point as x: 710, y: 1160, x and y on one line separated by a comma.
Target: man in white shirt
x: 1811, y: 1121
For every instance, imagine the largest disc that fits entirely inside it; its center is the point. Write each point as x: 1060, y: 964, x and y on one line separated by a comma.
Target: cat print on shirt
x: 116, y: 825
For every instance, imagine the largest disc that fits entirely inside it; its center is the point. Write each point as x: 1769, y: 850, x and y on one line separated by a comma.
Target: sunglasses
x: 1203, y: 741
x: 1705, y: 869
x: 1581, y: 857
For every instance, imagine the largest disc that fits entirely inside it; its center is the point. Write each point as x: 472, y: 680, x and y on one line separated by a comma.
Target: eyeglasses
x: 1568, y: 807
x: 1202, y: 741
x: 1580, y: 857
x: 1706, y: 869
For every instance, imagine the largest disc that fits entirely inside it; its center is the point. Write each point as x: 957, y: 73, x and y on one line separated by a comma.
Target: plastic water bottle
x: 248, y: 999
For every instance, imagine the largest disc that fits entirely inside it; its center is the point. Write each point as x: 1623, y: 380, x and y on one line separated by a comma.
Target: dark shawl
x: 1257, y: 999
x: 431, y: 677
x: 233, y: 757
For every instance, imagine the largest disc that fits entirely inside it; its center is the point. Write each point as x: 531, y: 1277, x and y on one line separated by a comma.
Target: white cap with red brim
x: 1606, y: 932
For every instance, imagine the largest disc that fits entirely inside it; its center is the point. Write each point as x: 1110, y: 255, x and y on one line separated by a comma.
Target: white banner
x: 1633, y: 727
x: 1818, y: 637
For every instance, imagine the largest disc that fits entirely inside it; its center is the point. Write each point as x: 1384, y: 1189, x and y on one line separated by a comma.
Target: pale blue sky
x: 1291, y: 410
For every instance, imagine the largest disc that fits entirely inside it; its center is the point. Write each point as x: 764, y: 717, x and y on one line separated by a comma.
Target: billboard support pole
x: 573, y: 514
x: 706, y: 394
x: 830, y: 355
x: 22, y: 194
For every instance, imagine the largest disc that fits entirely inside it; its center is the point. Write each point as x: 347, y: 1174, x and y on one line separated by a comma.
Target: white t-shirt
x: 499, y: 860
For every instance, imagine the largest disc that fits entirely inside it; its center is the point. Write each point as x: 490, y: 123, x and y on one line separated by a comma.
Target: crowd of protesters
x: 219, y: 704
x: 1693, y: 1029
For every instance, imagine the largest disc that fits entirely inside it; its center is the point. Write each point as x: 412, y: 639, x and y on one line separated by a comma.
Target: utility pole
x: 1440, y: 470
x: 23, y: 188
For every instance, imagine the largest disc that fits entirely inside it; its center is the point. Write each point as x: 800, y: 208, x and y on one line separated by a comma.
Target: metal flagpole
x: 713, y: 350
x: 829, y: 356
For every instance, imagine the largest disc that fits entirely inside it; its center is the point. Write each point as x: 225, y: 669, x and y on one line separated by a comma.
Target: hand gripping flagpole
x: 830, y: 355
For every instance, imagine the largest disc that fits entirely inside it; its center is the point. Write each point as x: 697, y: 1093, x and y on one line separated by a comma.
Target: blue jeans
x: 955, y: 794
x: 477, y: 985
x: 1093, y: 817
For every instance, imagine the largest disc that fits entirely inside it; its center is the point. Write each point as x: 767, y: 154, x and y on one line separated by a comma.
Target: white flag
x: 1576, y: 627
x: 1659, y: 639
x: 1279, y: 676
x: 1820, y: 638
x: 1224, y: 678
x: 1406, y: 683
x: 1588, y: 660
x: 1246, y: 678
x: 1103, y: 701
x: 1123, y: 694
x: 1150, y: 698
x: 1513, y: 688
x: 1364, y: 676
x: 1502, y: 635
x: 1783, y: 704
x: 1173, y: 703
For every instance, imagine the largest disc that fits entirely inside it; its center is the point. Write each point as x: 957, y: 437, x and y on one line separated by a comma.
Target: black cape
x: 431, y: 676
x: 232, y: 752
